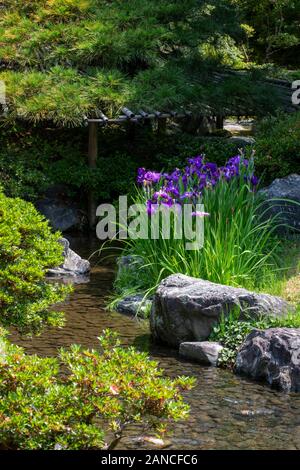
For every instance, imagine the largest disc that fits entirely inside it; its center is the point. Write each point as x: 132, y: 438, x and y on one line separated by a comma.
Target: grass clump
x: 240, y: 248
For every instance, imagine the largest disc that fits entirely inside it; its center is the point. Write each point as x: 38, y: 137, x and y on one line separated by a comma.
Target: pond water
x: 227, y: 412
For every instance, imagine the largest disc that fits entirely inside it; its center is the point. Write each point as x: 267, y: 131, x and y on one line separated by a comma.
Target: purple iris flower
x: 234, y: 161
x: 175, y: 175
x: 224, y: 171
x: 184, y: 180
x: 196, y: 162
x: 151, y: 207
x: 140, y: 175
x: 231, y: 170
x: 152, y: 176
x: 148, y: 177
x: 202, y: 181
x: 162, y: 197
x: 210, y: 167
x: 189, y: 183
x: 187, y: 195
x: 200, y: 214
x: 254, y: 180
x: 173, y: 191
x: 169, y: 203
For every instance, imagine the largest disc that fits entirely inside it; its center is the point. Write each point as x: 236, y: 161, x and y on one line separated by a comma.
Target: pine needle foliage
x: 62, y: 60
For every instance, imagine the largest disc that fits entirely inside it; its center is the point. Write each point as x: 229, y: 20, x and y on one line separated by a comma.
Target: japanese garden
x: 149, y: 225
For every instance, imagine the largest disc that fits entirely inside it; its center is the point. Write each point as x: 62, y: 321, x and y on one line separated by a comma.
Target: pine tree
x: 62, y: 60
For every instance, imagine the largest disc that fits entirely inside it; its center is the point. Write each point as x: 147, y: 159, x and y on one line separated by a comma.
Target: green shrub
x: 23, y: 163
x: 98, y: 393
x: 172, y: 151
x: 278, y: 146
x: 27, y: 250
x: 33, y: 159
x: 77, y: 400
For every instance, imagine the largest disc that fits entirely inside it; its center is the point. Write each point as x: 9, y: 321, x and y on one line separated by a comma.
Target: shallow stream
x: 227, y: 412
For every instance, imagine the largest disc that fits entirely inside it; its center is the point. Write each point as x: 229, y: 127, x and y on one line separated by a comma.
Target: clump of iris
x: 187, y: 185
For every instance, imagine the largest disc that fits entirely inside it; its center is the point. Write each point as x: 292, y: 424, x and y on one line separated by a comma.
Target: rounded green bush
x: 28, y: 249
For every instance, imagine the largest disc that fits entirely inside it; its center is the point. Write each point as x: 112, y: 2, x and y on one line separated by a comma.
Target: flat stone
x: 204, y: 352
x: 186, y: 309
x: 273, y: 356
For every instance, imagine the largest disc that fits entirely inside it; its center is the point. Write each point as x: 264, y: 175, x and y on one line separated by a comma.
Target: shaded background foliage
x: 34, y: 158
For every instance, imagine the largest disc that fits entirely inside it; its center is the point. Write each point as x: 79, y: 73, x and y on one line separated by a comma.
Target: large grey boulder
x: 204, y: 352
x: 72, y: 267
x: 61, y: 212
x: 273, y: 356
x: 186, y: 309
x: 287, y: 212
x: 62, y: 217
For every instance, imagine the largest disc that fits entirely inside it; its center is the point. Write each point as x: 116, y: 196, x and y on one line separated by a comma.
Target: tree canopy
x: 273, y: 29
x: 64, y: 59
